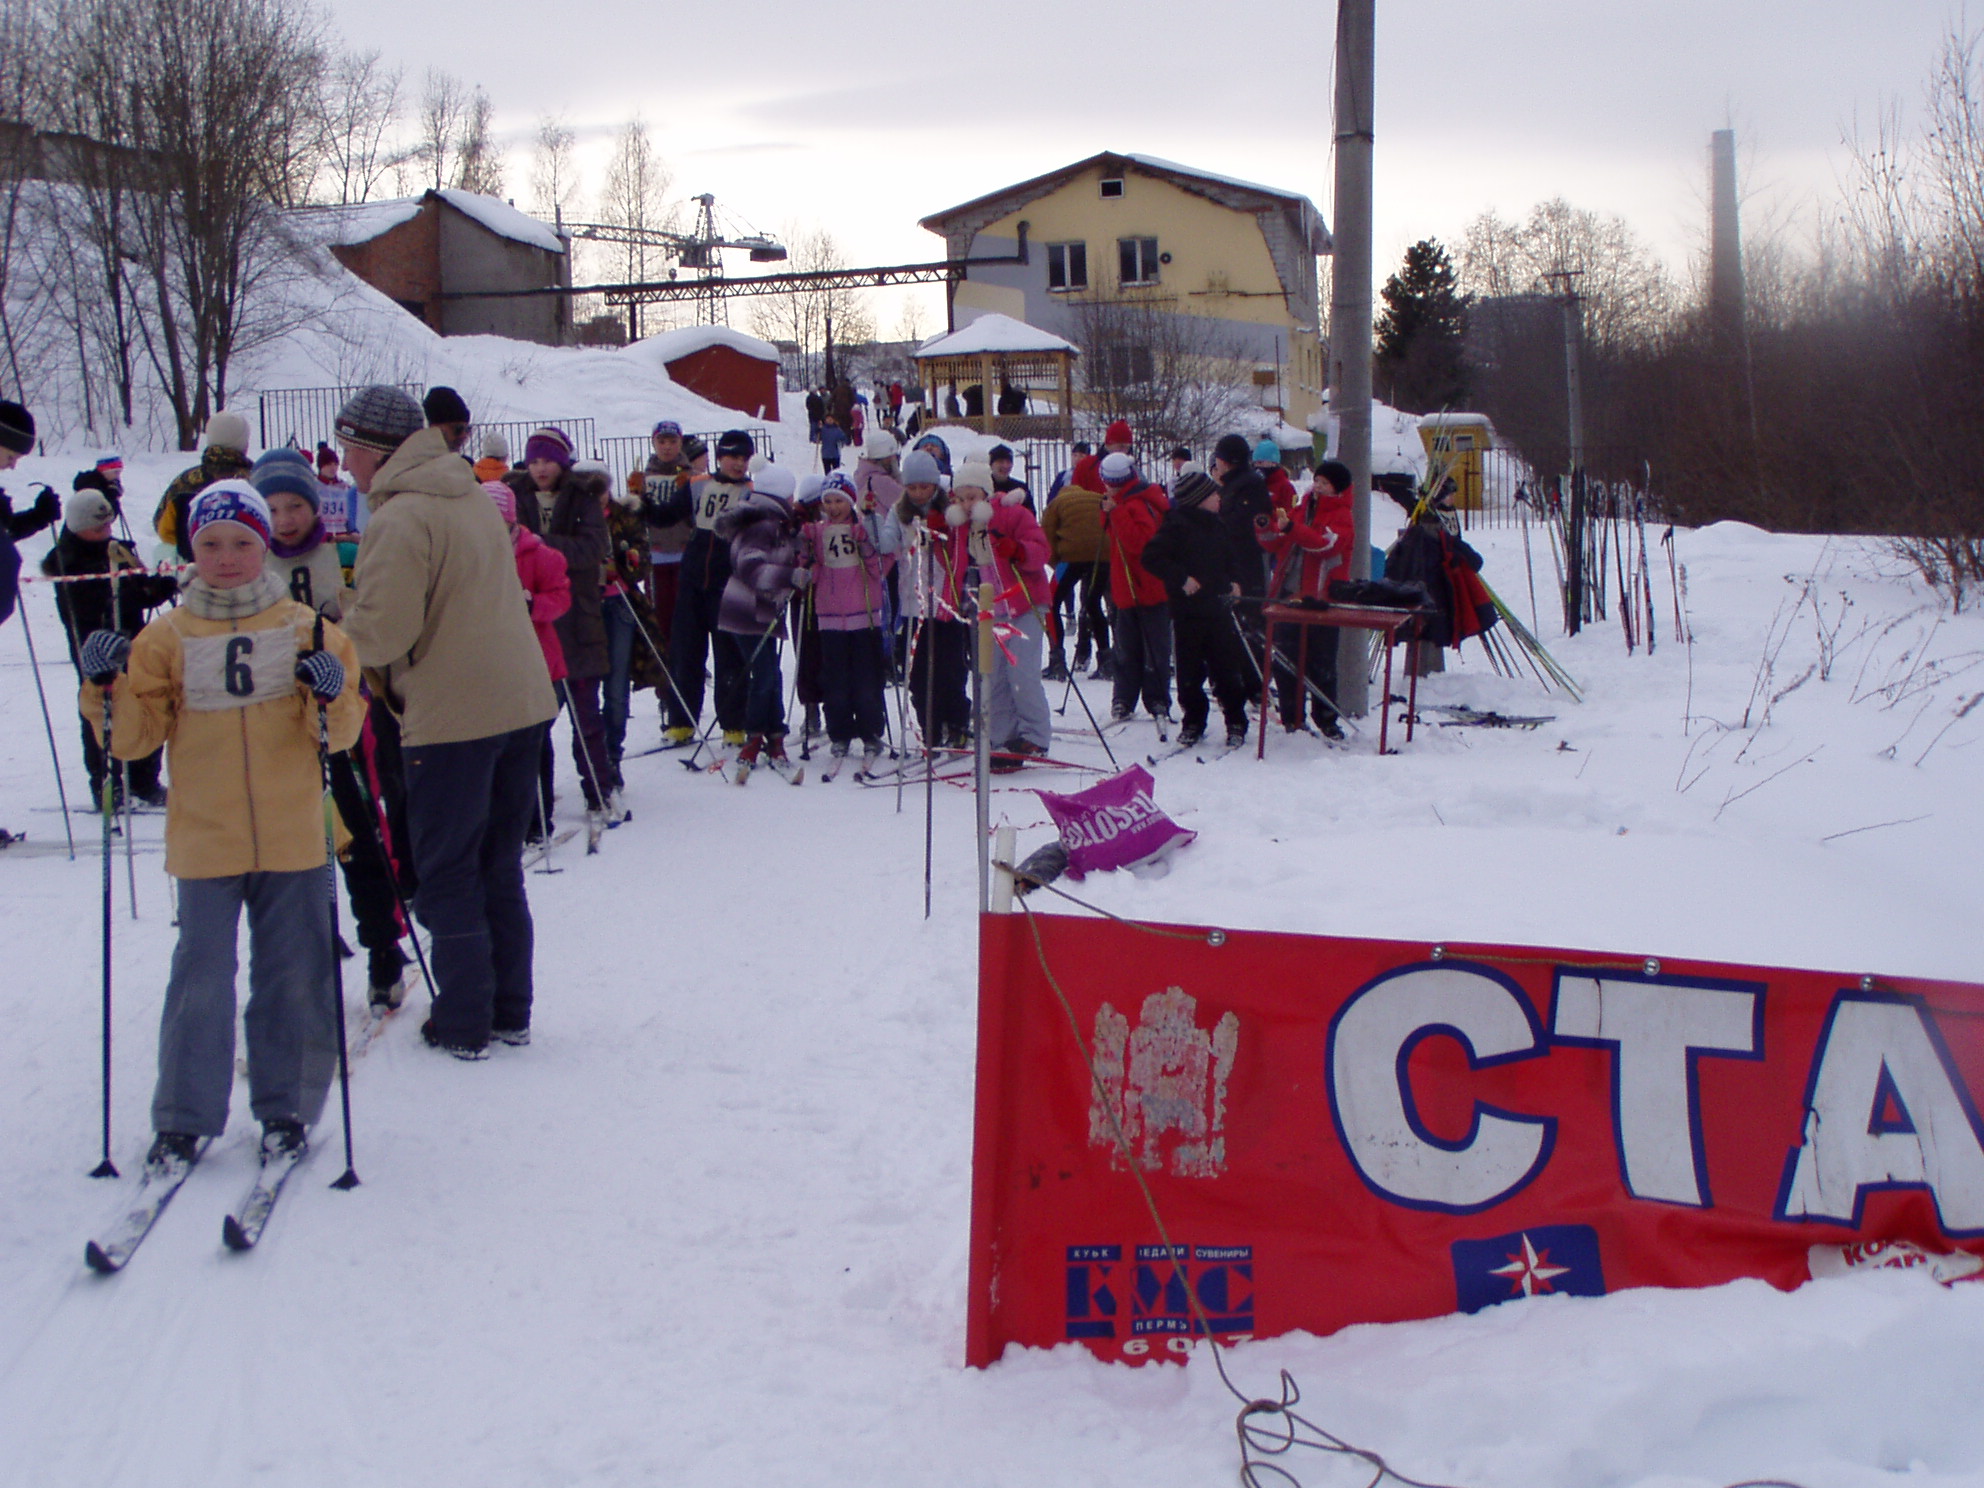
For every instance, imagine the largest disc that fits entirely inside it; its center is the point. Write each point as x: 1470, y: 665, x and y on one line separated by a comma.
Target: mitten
x: 104, y: 654
x: 322, y: 673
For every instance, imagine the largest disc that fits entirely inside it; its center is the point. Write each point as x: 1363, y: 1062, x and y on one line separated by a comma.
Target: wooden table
x: 1338, y: 616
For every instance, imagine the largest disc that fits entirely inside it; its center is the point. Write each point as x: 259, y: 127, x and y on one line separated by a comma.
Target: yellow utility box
x: 1454, y: 444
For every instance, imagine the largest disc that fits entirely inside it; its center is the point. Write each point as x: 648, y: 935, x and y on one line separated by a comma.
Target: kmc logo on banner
x: 1338, y: 1131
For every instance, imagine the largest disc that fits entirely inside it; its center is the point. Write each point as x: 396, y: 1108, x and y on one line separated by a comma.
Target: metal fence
x: 516, y: 432
x: 625, y: 452
x: 307, y: 417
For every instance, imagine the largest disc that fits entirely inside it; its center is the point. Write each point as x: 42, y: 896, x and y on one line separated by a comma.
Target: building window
x: 1067, y: 266
x: 1127, y: 365
x: 1136, y: 260
x: 1112, y: 186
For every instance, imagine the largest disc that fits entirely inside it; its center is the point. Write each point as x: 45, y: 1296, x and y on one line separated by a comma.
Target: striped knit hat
x: 549, y: 443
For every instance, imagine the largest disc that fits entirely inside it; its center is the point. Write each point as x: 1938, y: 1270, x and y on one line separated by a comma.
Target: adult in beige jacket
x: 442, y: 627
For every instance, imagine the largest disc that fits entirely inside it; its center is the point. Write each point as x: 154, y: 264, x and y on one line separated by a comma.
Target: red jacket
x: 1313, y: 548
x: 1280, y: 487
x: 1125, y: 529
x: 548, y: 587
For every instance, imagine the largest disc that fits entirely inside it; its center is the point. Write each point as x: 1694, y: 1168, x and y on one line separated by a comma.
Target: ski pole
x: 641, y: 626
x: 581, y: 748
x: 929, y: 764
x: 106, y: 1168
x: 48, y: 724
x: 690, y: 762
x: 1099, y: 734
x: 373, y: 814
x: 349, y: 1178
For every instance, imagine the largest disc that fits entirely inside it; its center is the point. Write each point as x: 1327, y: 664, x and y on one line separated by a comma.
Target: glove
x: 47, y: 507
x: 104, y: 654
x: 981, y: 514
x: 322, y: 673
x: 802, y: 579
x: 1006, y: 547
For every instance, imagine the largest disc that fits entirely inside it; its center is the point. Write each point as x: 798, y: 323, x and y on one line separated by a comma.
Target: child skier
x: 231, y: 683
x: 304, y: 560
x: 1191, y: 555
x: 301, y: 555
x: 87, y: 547
x: 548, y: 591
x: 918, y: 529
x: 1006, y: 547
x: 840, y: 555
x: 764, y: 572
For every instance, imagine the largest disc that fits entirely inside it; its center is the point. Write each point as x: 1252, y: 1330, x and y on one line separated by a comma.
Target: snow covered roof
x: 361, y: 222
x: 348, y: 226
x: 993, y: 332
x: 1455, y: 421
x: 670, y: 346
x: 503, y: 219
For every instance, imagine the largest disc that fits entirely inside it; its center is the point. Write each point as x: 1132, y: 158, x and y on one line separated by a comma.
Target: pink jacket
x: 1009, y: 548
x: 548, y: 587
x: 847, y: 574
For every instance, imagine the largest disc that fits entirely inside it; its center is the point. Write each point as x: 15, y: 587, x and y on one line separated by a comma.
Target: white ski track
x: 246, y: 1221
x: 119, y: 1242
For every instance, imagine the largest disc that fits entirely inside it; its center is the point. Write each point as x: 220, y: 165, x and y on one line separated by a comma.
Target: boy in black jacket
x: 1192, y: 556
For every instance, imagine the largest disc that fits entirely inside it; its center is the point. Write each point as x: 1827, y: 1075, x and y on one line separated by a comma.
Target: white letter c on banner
x: 1371, y: 1038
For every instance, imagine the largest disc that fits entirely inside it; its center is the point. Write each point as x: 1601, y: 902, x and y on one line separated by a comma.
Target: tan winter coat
x: 240, y: 734
x: 1073, y: 524
x: 438, y: 619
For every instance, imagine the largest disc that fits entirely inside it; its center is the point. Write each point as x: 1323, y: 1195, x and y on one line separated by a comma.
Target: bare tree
x: 554, y: 176
x: 1626, y: 289
x: 444, y: 107
x: 361, y: 105
x: 1179, y: 378
x: 634, y: 197
x: 478, y: 165
x: 801, y: 317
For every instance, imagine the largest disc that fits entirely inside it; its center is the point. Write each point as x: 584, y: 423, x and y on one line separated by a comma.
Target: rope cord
x: 1264, y: 1428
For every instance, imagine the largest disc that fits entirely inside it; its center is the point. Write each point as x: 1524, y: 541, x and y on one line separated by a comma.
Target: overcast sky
x: 802, y: 113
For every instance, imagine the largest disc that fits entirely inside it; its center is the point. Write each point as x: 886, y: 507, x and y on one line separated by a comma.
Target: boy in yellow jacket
x: 230, y: 683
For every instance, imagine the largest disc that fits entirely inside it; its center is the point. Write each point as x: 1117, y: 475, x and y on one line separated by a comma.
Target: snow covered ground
x: 710, y: 1227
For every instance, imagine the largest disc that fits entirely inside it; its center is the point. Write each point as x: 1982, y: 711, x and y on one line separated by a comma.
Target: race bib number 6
x: 232, y: 671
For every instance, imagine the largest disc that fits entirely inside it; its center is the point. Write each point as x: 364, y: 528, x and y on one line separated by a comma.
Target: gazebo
x: 996, y: 362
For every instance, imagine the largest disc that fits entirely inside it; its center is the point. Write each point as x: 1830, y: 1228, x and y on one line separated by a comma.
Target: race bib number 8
x: 232, y: 671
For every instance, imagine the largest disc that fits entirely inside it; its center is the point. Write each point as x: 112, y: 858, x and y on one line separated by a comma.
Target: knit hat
x: 973, y: 473
x: 111, y: 467
x: 880, y: 445
x: 549, y: 443
x: 1118, y: 433
x: 665, y: 429
x: 1267, y: 452
x: 284, y: 469
x: 443, y: 405
x: 1182, y: 452
x: 838, y: 485
x: 998, y: 452
x: 90, y: 480
x: 231, y: 501
x: 505, y: 499
x: 1192, y: 488
x: 86, y: 510
x: 919, y: 468
x: 938, y: 449
x: 494, y: 446
x: 734, y: 442
x: 1336, y: 473
x: 776, y: 481
x: 227, y: 429
x: 16, y: 428
x: 1233, y: 449
x: 379, y: 418
x: 326, y: 455
x: 810, y: 486
x: 1118, y: 469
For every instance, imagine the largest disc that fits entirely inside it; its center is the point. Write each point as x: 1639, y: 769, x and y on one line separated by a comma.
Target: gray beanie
x: 86, y: 510
x: 919, y: 468
x: 227, y: 429
x: 494, y: 446
x: 380, y: 418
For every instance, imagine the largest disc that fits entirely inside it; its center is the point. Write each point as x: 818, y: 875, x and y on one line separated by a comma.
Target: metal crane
x: 699, y: 251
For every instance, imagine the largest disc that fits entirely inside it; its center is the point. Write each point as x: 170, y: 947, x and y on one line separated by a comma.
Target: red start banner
x: 1340, y: 1131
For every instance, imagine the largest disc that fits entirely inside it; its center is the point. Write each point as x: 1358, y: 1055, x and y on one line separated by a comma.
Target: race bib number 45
x: 840, y: 547
x: 232, y: 671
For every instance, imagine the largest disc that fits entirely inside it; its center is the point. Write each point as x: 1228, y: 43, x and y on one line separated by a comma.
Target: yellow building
x: 1141, y: 261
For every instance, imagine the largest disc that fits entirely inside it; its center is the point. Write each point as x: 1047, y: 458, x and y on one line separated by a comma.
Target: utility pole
x: 1565, y: 280
x: 1350, y: 312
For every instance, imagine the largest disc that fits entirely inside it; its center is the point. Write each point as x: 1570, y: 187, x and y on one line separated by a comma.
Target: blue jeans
x: 619, y: 667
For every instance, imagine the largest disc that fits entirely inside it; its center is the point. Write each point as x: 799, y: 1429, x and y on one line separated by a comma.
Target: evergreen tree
x: 1421, y: 351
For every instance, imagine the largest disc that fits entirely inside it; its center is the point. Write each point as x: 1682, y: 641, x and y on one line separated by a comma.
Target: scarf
x: 238, y: 603
x: 310, y: 541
